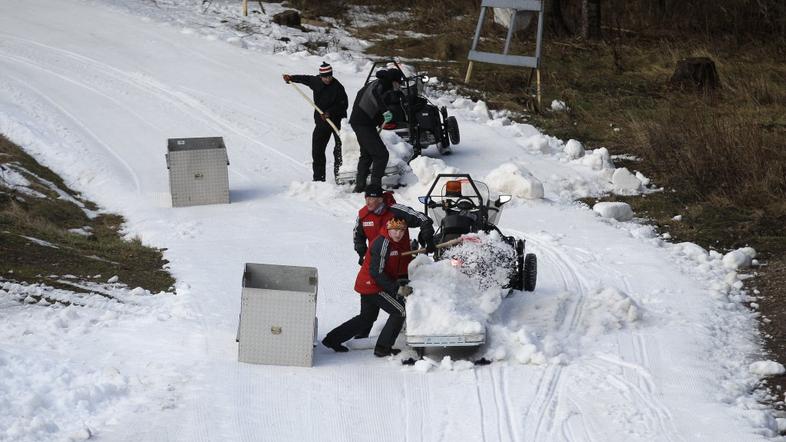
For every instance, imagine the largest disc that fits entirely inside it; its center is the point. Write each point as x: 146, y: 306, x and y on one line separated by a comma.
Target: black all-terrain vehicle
x: 415, y: 118
x: 460, y: 205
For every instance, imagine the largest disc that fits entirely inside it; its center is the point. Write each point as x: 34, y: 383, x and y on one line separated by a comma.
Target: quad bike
x: 458, y: 205
x: 415, y: 118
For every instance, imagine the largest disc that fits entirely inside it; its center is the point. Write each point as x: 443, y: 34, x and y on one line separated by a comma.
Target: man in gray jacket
x: 368, y: 112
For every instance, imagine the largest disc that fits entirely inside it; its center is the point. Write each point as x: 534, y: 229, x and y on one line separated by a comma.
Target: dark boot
x: 381, y: 351
x: 338, y: 348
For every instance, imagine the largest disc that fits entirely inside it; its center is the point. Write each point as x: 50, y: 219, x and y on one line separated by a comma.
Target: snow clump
x: 740, y: 258
x: 767, y: 368
x: 597, y: 159
x: 625, y: 183
x: 616, y: 210
x: 574, y: 149
x: 558, y: 105
x: 515, y: 180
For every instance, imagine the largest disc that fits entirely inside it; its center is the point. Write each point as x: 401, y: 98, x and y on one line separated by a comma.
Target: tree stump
x: 289, y: 18
x: 697, y: 73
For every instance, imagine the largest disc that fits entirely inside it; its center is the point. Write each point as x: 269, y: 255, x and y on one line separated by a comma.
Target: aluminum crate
x: 198, y: 172
x: 278, y: 315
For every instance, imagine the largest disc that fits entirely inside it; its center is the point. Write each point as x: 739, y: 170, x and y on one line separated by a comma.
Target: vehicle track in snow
x: 633, y: 380
x: 540, y: 415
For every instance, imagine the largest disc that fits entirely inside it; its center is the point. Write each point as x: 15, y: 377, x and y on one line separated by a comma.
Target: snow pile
x: 607, y: 310
x: 574, y: 149
x: 444, y: 301
x: 767, y: 368
x: 625, y: 183
x: 615, y: 210
x: 485, y: 258
x: 515, y: 180
x: 518, y: 345
x: 739, y: 259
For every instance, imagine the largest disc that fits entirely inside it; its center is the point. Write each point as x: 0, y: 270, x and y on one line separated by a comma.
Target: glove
x: 404, y: 291
x: 324, y: 116
x: 387, y: 116
x: 361, y: 258
x: 287, y: 78
x: 430, y: 246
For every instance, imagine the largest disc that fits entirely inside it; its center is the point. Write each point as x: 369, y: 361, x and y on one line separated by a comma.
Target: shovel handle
x: 311, y: 102
x: 442, y: 245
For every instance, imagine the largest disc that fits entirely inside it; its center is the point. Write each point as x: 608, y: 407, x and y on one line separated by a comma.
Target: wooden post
x: 537, y: 80
x: 469, y: 73
x: 245, y: 8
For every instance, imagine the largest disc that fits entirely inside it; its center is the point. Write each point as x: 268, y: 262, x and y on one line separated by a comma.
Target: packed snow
x: 627, y: 336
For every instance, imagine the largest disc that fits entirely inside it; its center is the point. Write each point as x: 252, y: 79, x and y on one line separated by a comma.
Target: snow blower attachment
x: 198, y: 172
x: 278, y: 324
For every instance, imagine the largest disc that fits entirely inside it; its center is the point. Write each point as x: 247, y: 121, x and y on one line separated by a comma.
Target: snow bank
x: 767, y: 368
x: 615, y: 210
x: 515, y: 180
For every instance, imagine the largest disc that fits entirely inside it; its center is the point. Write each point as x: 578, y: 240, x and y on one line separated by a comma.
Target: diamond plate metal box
x: 198, y: 172
x: 278, y: 315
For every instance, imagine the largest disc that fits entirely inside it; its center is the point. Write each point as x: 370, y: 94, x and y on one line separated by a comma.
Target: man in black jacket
x: 330, y: 97
x: 368, y: 112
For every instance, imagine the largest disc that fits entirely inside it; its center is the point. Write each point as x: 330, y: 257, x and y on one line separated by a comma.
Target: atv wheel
x: 453, y: 130
x: 530, y: 275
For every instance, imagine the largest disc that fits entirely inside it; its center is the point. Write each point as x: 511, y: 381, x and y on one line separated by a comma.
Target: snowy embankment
x: 627, y: 337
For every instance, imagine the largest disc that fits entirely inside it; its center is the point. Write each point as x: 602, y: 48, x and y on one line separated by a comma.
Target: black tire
x: 517, y: 280
x: 530, y: 276
x: 453, y: 130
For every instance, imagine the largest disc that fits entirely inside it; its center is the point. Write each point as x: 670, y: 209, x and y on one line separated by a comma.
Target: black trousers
x: 369, y: 309
x: 319, y: 142
x: 373, y: 155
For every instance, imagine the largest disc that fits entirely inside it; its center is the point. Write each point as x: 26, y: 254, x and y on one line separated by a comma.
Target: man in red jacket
x: 380, y: 283
x: 379, y: 208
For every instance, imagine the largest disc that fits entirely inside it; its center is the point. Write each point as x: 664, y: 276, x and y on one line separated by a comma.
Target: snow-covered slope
x: 627, y: 337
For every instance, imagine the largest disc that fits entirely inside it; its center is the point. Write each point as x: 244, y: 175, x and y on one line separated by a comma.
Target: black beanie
x: 374, y: 190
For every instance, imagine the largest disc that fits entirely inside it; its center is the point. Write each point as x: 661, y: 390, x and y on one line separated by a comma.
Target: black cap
x: 374, y: 190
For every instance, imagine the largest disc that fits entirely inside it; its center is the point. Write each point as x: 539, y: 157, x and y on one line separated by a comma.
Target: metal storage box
x: 198, y: 172
x: 278, y: 315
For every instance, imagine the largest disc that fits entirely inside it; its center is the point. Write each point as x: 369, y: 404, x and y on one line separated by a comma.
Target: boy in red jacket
x: 379, y: 288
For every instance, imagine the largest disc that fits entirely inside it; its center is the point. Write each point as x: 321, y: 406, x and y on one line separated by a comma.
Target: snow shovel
x: 442, y: 245
x: 337, y: 157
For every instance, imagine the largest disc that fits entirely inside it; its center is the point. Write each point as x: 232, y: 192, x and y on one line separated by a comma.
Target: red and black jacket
x: 383, y: 266
x: 369, y: 224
